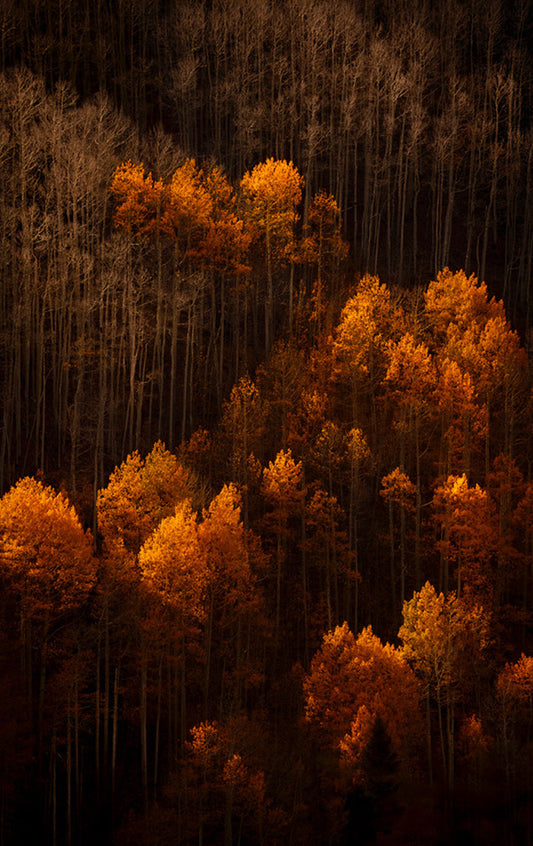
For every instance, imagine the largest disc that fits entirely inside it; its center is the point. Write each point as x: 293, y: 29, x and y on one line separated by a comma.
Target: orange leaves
x: 351, y: 678
x: 173, y: 564
x: 397, y: 487
x: 45, y: 554
x: 271, y: 192
x: 325, y: 242
x: 410, y: 370
x: 226, y: 546
x: 366, y: 322
x: 353, y: 744
x: 282, y: 482
x: 244, y: 419
x: 139, y: 494
x: 196, y: 210
x: 470, y: 532
x: 188, y: 207
x: 220, y: 784
x: 323, y: 246
x: 442, y: 638
x: 456, y: 298
x: 515, y: 682
x: 140, y: 200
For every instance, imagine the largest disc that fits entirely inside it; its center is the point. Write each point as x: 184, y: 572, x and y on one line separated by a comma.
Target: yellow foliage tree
x: 368, y: 323
x: 46, y: 555
x: 324, y: 247
x: 444, y: 641
x: 270, y: 194
x: 399, y: 493
x: 47, y: 563
x: 233, y: 602
x: 468, y: 535
x: 282, y: 488
x: 140, y: 200
x: 461, y: 300
x: 349, y: 674
x: 172, y: 563
x: 139, y: 494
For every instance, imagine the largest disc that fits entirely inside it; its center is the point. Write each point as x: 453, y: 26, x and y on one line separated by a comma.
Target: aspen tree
x: 468, y: 537
x: 234, y: 605
x: 283, y: 491
x: 271, y: 193
x: 398, y: 489
x: 348, y: 674
x: 47, y: 563
x: 443, y: 639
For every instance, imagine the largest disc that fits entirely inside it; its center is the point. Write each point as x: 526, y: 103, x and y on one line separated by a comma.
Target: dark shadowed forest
x: 266, y: 422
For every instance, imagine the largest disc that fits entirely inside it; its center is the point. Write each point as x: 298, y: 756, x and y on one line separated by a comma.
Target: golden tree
x: 140, y: 200
x: 234, y: 607
x: 324, y: 247
x: 282, y: 488
x: 271, y: 193
x: 468, y: 536
x: 48, y: 566
x: 444, y: 641
x: 348, y: 674
x: 138, y: 495
x: 46, y: 555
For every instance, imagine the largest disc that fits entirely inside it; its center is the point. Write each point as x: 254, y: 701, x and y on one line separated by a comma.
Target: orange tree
x: 270, y: 194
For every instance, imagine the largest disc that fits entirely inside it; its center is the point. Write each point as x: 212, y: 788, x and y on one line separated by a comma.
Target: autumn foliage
x: 227, y: 608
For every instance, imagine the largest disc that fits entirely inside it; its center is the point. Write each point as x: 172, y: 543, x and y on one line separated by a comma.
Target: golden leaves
x: 456, y: 298
x: 46, y: 556
x: 172, y: 562
x: 139, y: 494
x: 140, y: 200
x: 442, y: 637
x: 354, y: 680
x: 271, y: 191
x: 365, y: 322
x: 282, y: 482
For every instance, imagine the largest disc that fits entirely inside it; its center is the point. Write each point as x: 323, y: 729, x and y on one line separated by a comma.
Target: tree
x: 360, y: 459
x: 411, y: 382
x: 327, y: 550
x: 234, y: 606
x: 454, y: 298
x: 140, y: 200
x: 444, y: 641
x: 514, y: 690
x: 270, y: 194
x: 468, y: 536
x: 48, y: 565
x: 324, y: 247
x: 349, y: 674
x: 47, y: 556
x: 189, y: 208
x: 367, y: 323
x: 175, y: 573
x: 282, y: 488
x: 473, y: 333
x: 222, y: 790
x: 243, y: 428
x: 172, y: 564
x: 140, y: 493
x: 398, y: 489
x: 463, y: 422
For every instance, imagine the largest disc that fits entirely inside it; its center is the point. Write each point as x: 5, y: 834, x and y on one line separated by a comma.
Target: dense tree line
x: 207, y: 667
x: 266, y: 533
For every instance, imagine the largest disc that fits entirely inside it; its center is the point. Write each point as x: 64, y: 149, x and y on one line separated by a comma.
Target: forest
x: 266, y: 488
